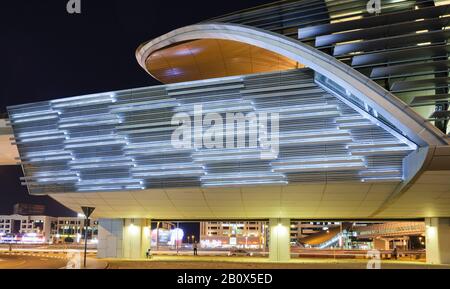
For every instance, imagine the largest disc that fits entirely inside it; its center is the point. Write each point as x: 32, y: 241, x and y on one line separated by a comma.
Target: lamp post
x: 157, y: 236
x: 87, y: 213
x: 79, y: 229
x: 176, y: 239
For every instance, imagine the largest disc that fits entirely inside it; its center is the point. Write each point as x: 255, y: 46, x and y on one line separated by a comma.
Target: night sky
x: 48, y: 53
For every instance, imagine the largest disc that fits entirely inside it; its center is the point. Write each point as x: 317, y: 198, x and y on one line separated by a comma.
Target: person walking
x: 149, y: 253
x: 395, y: 253
x: 195, y: 249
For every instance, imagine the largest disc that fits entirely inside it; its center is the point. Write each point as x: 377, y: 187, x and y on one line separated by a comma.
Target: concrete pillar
x: 123, y: 238
x: 110, y: 238
x: 279, y: 240
x: 381, y: 244
x: 437, y: 236
x: 136, y: 238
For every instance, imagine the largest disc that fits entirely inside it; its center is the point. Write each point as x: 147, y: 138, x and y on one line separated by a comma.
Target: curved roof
x: 415, y: 127
x: 213, y: 58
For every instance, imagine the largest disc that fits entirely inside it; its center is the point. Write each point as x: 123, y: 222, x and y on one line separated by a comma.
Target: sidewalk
x: 94, y: 263
x: 206, y: 262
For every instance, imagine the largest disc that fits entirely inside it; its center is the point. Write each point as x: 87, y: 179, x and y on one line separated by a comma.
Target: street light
x: 87, y: 213
x: 157, y: 235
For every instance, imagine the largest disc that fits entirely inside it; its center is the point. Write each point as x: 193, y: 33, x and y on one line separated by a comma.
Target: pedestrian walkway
x: 206, y: 262
x: 94, y: 263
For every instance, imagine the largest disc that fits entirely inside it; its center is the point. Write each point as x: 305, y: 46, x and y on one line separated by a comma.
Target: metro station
x: 361, y: 131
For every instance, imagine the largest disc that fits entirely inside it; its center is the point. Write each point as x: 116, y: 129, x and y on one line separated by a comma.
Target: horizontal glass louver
x: 123, y: 143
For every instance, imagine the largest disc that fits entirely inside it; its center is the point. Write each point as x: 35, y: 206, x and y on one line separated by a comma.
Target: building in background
x: 45, y: 229
x: 73, y: 228
x: 30, y: 229
x: 28, y: 209
x: 166, y: 234
x: 232, y: 234
x: 390, y: 235
x: 301, y: 230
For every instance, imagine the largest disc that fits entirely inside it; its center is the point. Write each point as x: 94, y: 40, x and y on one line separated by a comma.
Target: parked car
x: 239, y: 252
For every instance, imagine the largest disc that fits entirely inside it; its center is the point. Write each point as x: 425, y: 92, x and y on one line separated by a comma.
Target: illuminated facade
x: 246, y: 235
x: 359, y: 118
x: 123, y: 140
x: 45, y: 229
x: 19, y: 224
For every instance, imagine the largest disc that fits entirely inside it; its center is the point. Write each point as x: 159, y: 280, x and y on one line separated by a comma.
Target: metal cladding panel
x: 122, y: 140
x: 405, y: 41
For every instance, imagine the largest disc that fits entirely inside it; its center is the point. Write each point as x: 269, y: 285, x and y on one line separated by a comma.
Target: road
x: 27, y: 261
x: 205, y: 262
x: 30, y: 262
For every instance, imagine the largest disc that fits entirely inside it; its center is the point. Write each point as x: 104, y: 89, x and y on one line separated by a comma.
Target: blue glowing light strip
x: 96, y: 144
x: 318, y: 140
x: 357, y: 125
x: 234, y: 109
x: 34, y: 119
x: 53, y: 173
x: 58, y: 180
x: 149, y: 145
x: 372, y: 145
x: 170, y: 174
x: 381, y: 151
x: 41, y: 133
x: 153, y: 152
x: 313, y: 134
x: 382, y: 180
x: 221, y: 152
x: 303, y: 108
x: 103, y: 165
x: 109, y: 181
x: 148, y: 105
x: 351, y: 119
x: 243, y: 176
x: 47, y: 159
x: 110, y: 188
x: 88, y: 118
x: 310, y: 115
x: 38, y: 139
x: 177, y: 166
x: 380, y: 172
x: 47, y: 153
x: 93, y: 138
x: 320, y: 160
x: 92, y: 123
x: 103, y: 100
x: 320, y: 167
x: 101, y: 160
x: 84, y: 98
x: 39, y: 113
x: 243, y: 184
